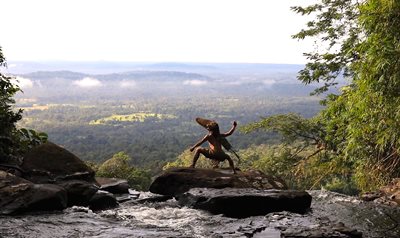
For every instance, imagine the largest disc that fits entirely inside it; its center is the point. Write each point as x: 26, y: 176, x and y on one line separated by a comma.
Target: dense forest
x: 152, y: 120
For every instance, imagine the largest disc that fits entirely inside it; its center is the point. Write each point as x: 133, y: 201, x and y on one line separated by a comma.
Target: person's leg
x: 231, y: 164
x: 196, y: 156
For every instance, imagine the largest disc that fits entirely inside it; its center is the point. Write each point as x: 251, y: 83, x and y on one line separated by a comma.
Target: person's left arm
x: 230, y: 132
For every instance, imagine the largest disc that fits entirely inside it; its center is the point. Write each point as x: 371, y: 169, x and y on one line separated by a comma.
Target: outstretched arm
x: 230, y: 132
x: 199, y: 143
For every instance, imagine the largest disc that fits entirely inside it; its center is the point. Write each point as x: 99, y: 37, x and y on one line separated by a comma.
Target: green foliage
x: 118, y: 167
x: 291, y: 126
x: 337, y: 31
x: 13, y: 141
x: 93, y: 165
x: 301, y: 167
x: 8, y: 118
x: 356, y: 137
x: 28, y: 138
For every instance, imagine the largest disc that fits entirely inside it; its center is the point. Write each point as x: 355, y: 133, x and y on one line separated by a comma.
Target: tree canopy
x: 118, y: 167
x: 13, y: 142
x: 8, y: 117
x: 359, y: 127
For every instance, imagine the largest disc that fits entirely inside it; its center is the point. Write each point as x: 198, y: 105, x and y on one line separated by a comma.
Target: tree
x: 359, y: 40
x: 13, y: 142
x: 306, y: 159
x: 118, y: 167
x: 367, y: 111
x: 8, y: 117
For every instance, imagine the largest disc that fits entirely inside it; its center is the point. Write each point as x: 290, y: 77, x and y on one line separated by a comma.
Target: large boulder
x: 79, y: 192
x: 245, y: 202
x: 48, y: 163
x: 179, y: 180
x: 102, y: 200
x: 19, y: 195
x: 113, y: 185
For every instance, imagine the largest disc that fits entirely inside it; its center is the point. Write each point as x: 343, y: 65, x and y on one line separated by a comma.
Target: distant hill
x: 104, y: 67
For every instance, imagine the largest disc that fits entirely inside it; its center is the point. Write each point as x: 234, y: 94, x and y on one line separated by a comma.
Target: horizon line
x: 146, y: 62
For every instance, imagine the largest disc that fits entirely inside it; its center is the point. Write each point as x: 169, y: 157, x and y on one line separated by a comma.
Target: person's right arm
x: 205, y: 138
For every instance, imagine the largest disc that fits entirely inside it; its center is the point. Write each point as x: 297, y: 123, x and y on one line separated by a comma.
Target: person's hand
x: 234, y: 123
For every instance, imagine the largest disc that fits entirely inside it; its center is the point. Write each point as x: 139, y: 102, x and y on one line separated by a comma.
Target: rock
x: 370, y: 196
x: 48, y: 163
x: 245, y: 202
x: 113, y: 185
x: 153, y: 199
x: 124, y: 198
x: 79, y: 191
x: 102, y: 200
x: 388, y: 195
x: 392, y: 192
x: 179, y: 180
x: 19, y: 195
x: 396, y: 197
x: 326, y: 231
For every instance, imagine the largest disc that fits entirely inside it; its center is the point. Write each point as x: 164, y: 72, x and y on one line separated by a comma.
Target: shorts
x: 215, y: 155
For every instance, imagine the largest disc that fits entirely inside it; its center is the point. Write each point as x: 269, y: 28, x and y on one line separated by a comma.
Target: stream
x: 329, y: 213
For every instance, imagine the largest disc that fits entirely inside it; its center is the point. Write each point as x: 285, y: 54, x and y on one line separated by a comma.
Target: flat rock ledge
x: 245, y: 202
x: 113, y: 185
x: 179, y: 180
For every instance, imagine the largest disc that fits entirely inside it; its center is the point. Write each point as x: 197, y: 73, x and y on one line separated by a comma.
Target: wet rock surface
x: 79, y: 191
x: 102, y: 200
x: 245, y: 202
x: 113, y: 185
x: 19, y: 195
x: 331, y: 215
x: 179, y: 180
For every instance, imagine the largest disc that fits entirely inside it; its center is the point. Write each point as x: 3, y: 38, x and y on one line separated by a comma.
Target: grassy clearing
x: 134, y: 117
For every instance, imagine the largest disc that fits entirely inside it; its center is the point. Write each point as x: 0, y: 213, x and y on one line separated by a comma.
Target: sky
x: 241, y: 31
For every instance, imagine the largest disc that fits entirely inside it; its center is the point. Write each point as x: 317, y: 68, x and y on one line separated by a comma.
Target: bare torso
x: 215, y: 145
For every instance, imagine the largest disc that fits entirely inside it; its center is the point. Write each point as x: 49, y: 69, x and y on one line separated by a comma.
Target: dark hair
x: 214, y: 129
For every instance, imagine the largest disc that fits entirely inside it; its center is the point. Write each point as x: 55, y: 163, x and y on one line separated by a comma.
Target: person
x: 214, y: 138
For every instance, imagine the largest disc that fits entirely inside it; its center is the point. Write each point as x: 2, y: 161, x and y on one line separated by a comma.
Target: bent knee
x: 200, y: 150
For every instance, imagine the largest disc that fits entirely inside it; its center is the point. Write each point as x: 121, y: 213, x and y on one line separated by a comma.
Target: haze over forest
x: 96, y: 109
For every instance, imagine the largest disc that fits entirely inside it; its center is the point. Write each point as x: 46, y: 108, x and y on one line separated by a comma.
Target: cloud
x: 88, y: 82
x: 269, y: 82
x: 23, y: 82
x: 235, y: 83
x: 127, y: 84
x: 195, y: 82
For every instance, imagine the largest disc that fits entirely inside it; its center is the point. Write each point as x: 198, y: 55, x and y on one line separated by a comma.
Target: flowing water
x: 168, y: 219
